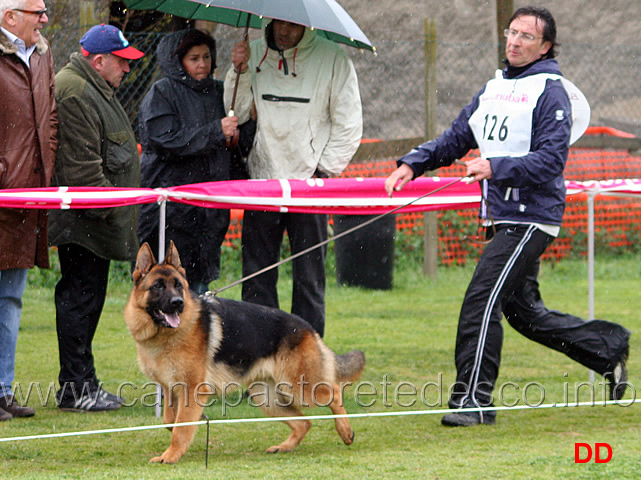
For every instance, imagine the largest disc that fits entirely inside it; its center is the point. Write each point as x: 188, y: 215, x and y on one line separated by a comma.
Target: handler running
x: 522, y: 123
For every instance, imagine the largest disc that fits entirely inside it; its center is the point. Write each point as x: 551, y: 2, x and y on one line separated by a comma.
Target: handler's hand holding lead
x: 398, y: 179
x: 478, y: 169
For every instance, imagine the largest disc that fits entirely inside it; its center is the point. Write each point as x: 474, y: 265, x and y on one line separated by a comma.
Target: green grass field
x: 408, y: 337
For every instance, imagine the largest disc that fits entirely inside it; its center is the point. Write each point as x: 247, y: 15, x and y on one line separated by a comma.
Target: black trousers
x: 79, y: 297
x: 505, y: 282
x: 262, y: 238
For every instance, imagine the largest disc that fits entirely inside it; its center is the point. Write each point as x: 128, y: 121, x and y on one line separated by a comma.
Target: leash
x: 489, y: 217
x: 335, y: 237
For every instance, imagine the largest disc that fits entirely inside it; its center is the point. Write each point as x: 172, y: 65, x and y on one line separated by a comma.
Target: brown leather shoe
x: 9, y: 405
x: 4, y: 416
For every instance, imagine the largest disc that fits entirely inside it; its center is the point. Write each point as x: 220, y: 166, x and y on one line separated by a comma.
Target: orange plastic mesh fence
x: 617, y: 220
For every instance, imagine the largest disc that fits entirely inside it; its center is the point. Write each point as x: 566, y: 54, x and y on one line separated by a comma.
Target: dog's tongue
x: 172, y: 319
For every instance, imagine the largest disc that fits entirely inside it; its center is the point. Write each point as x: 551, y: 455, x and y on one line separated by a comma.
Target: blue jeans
x: 12, y: 285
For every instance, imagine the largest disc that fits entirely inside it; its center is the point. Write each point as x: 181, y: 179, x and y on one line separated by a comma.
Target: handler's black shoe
x: 467, y: 419
x: 112, y: 397
x: 108, y: 396
x: 92, y: 401
x: 618, y: 378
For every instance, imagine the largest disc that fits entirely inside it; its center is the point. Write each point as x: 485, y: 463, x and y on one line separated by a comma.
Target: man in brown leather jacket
x: 27, y: 153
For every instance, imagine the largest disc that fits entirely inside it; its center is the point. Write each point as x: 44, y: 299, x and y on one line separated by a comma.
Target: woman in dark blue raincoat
x: 183, y: 132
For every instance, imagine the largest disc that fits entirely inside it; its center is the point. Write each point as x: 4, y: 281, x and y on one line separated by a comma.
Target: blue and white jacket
x: 525, y: 188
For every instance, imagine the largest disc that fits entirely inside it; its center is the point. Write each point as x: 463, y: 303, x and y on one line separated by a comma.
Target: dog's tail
x: 349, y: 366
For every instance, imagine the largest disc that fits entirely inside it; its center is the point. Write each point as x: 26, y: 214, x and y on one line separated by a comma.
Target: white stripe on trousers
x: 487, y: 314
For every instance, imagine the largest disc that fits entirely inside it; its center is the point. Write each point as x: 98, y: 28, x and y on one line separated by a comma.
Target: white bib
x: 502, y: 123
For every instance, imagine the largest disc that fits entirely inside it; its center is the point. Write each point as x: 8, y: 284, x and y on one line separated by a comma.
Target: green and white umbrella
x: 326, y: 16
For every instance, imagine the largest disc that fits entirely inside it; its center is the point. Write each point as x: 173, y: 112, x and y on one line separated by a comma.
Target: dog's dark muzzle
x: 169, y: 317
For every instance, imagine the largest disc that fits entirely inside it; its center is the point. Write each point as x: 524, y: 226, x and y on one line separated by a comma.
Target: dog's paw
x: 164, y: 458
x: 278, y: 449
x: 351, y: 440
x: 347, y: 436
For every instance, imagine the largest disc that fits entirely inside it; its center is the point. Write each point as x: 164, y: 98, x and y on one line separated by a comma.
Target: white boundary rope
x: 620, y: 403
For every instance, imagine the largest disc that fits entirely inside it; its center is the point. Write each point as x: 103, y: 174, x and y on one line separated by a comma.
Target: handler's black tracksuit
x: 505, y: 282
x: 526, y: 189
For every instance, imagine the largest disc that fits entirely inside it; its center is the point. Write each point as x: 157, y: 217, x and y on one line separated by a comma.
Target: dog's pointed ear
x: 144, y: 262
x: 172, y: 257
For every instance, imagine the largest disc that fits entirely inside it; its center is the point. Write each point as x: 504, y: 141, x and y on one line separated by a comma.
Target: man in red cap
x: 108, y: 52
x: 97, y: 148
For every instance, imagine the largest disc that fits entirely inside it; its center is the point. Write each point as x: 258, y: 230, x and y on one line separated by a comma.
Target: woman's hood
x: 172, y: 67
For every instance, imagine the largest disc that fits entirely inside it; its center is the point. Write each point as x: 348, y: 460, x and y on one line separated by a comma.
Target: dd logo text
x: 583, y: 452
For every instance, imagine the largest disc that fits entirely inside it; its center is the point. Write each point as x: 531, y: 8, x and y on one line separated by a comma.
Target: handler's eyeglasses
x: 526, y: 37
x: 40, y: 13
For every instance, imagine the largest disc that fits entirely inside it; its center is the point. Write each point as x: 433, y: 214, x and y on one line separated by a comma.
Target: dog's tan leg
x: 169, y: 410
x: 276, y: 406
x: 299, y: 428
x: 333, y: 398
x: 186, y: 410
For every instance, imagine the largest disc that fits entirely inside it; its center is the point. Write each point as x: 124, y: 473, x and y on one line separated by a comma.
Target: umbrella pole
x: 233, y: 140
x: 233, y: 98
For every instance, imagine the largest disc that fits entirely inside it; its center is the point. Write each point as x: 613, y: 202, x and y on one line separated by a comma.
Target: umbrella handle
x: 233, y: 140
x: 233, y: 98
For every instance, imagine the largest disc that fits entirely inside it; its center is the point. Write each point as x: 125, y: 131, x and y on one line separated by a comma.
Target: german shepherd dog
x: 196, y: 346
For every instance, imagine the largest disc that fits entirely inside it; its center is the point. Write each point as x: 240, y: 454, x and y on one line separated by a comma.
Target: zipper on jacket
x: 276, y: 98
x: 283, y: 63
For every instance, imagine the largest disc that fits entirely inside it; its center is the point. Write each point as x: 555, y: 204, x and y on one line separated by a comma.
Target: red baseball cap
x: 108, y: 39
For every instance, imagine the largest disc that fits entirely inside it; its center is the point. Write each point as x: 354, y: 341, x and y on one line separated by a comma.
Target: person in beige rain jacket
x: 304, y: 92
